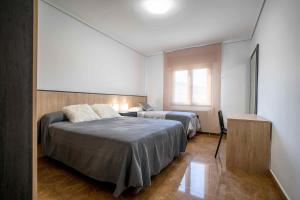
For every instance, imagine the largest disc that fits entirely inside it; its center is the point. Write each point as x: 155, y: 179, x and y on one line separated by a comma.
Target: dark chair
x: 223, y: 130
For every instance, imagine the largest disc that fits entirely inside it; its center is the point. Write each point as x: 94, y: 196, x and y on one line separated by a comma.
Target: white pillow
x: 80, y: 113
x: 135, y: 109
x: 105, y: 111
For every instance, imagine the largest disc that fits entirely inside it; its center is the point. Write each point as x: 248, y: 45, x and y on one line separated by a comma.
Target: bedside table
x: 129, y: 114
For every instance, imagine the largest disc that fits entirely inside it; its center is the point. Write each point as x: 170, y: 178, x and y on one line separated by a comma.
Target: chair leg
x: 219, y: 144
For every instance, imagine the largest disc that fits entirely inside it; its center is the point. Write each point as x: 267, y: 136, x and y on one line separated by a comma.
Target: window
x: 181, y: 87
x: 192, y: 87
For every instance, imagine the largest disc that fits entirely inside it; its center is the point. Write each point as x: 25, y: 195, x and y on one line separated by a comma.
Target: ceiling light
x: 158, y: 6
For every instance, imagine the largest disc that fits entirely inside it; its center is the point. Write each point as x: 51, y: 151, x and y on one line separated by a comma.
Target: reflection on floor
x: 195, y: 175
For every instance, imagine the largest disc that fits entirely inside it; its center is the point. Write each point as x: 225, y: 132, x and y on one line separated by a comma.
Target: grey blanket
x: 189, y: 120
x: 184, y: 117
x: 124, y: 151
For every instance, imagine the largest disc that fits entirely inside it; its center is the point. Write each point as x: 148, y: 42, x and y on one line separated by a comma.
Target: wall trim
x: 256, y: 24
x: 155, y: 54
x: 279, y: 186
x: 236, y: 41
x: 207, y: 44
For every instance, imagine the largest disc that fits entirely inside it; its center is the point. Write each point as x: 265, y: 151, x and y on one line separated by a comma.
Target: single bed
x: 125, y: 151
x: 189, y: 120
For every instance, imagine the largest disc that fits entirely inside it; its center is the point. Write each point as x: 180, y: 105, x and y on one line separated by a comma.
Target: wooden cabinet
x: 248, y: 143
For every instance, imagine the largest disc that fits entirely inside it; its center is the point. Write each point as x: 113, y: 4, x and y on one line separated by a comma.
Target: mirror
x: 254, y: 80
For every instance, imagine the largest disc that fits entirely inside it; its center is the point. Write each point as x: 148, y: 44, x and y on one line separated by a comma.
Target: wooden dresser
x: 248, y: 143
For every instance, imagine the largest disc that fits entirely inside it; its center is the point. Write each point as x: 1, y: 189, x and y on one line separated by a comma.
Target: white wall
x: 235, y: 78
x: 278, y: 91
x: 74, y: 57
x: 154, y: 80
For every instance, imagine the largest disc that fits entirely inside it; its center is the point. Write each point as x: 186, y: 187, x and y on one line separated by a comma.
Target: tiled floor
x: 195, y: 175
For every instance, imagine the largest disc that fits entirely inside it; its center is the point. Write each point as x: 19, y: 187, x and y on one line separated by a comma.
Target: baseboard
x: 208, y: 133
x: 279, y: 186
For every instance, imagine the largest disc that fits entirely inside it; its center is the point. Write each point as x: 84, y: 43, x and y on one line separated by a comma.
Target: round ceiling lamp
x: 158, y: 7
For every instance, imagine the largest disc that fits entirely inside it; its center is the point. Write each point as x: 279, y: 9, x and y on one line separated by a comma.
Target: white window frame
x: 190, y: 103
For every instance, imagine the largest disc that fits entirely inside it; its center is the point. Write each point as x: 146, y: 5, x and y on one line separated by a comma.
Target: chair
x: 223, y: 130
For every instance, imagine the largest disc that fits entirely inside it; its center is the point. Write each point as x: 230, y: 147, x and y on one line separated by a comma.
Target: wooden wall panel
x: 52, y: 101
x: 16, y: 99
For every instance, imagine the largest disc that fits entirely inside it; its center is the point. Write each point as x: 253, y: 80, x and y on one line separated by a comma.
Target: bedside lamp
x: 124, y: 107
x: 116, y: 107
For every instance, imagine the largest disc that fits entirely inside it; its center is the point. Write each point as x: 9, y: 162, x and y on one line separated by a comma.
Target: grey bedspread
x: 184, y: 117
x: 125, y: 151
x: 189, y: 120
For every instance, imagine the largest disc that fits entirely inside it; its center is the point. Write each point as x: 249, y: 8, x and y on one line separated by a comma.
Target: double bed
x: 125, y: 151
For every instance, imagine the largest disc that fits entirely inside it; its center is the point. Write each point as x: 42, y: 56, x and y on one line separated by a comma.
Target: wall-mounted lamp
x: 124, y: 107
x: 116, y: 107
x: 120, y: 107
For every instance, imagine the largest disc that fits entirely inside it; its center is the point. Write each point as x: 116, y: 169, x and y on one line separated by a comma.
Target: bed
x: 189, y: 120
x: 123, y: 150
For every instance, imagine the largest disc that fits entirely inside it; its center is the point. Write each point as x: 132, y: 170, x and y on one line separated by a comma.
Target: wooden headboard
x: 52, y: 101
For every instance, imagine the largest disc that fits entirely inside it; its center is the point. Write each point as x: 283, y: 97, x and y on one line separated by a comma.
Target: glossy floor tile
x: 194, y: 175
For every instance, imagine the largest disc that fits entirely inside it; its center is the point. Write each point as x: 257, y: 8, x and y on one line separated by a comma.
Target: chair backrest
x: 221, y: 121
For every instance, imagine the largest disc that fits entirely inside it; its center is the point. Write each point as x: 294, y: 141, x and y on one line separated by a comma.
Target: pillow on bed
x: 80, y: 113
x: 135, y: 109
x: 146, y: 107
x: 105, y: 111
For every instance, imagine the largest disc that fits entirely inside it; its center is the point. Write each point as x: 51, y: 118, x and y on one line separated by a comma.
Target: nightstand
x: 129, y: 114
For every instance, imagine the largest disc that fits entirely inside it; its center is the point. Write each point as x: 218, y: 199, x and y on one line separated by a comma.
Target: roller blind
x: 191, y: 87
x: 192, y: 78
x: 192, y: 82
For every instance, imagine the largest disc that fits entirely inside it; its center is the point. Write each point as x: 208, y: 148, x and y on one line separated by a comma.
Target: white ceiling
x: 191, y: 22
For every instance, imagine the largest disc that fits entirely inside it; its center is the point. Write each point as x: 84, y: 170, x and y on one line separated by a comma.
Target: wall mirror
x: 254, y: 61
